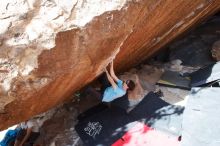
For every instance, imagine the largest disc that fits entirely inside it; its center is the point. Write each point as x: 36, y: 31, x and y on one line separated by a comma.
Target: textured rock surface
x: 48, y: 49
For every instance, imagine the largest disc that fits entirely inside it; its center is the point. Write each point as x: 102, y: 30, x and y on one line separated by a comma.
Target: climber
x: 30, y: 131
x: 113, y: 87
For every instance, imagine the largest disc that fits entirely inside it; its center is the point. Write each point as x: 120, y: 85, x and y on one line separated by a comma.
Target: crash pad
x: 143, y: 135
x: 201, y: 118
x: 103, y: 128
x: 174, y: 79
x: 205, y: 75
x: 106, y: 127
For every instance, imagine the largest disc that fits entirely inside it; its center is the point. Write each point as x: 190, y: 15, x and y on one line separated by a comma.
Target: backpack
x: 10, y: 136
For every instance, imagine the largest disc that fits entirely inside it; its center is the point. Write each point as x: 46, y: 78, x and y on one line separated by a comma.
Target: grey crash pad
x: 201, y: 118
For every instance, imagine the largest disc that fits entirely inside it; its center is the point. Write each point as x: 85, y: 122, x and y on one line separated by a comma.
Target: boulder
x: 49, y: 49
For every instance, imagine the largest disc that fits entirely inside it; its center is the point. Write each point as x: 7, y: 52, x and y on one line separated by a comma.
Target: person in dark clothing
x: 30, y: 131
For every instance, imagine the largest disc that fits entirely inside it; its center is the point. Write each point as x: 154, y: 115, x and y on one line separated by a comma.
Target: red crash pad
x: 142, y: 135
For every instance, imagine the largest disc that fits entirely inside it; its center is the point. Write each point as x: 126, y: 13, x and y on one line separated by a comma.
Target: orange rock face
x: 132, y: 30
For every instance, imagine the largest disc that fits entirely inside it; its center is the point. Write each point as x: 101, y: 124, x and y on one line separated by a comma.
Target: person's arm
x: 137, y: 82
x: 112, y: 72
x: 28, y: 133
x: 114, y: 85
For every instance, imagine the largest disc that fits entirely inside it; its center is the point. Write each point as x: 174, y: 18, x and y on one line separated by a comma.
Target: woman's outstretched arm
x: 112, y: 72
x: 114, y: 85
